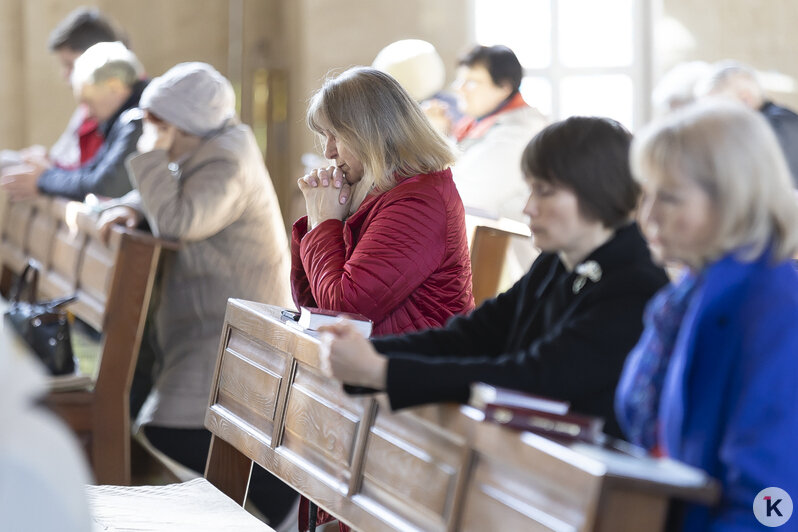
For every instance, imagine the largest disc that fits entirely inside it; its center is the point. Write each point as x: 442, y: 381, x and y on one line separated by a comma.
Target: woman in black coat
x: 565, y: 328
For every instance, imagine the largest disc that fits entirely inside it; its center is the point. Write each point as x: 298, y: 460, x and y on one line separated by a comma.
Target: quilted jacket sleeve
x: 402, y: 245
x: 300, y: 286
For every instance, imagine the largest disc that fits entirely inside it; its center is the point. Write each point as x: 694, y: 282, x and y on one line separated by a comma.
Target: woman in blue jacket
x: 713, y: 380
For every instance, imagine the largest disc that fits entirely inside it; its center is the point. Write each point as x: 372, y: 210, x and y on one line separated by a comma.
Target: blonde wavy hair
x: 382, y: 125
x: 732, y: 153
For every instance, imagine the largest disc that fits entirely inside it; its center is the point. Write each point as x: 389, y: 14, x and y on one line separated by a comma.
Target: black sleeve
x: 104, y: 175
x: 584, y: 356
x: 463, y: 336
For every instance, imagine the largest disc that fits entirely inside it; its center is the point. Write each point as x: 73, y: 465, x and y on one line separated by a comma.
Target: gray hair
x: 104, y: 61
x: 732, y: 77
x: 732, y: 153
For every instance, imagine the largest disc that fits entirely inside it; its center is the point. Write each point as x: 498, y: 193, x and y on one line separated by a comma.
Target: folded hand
x: 327, y: 195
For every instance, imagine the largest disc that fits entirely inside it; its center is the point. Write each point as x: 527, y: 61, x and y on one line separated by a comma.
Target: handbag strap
x: 27, y: 282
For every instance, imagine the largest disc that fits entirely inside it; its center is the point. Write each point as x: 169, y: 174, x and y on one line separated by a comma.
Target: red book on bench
x: 541, y: 415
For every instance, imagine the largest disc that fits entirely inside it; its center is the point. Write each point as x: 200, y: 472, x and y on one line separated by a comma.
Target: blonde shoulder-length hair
x: 732, y: 153
x: 382, y: 125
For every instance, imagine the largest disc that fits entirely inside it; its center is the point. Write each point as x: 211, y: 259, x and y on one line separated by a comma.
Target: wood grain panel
x: 249, y: 391
x: 17, y: 225
x: 67, y: 246
x: 40, y: 240
x: 628, y: 511
x: 13, y: 257
x: 538, y: 501
x: 259, y: 352
x: 95, y: 270
x: 411, y: 468
x: 321, y: 423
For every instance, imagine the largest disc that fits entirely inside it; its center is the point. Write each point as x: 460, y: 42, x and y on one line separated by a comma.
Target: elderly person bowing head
x: 565, y: 328
x: 714, y: 381
x: 385, y: 231
x: 200, y: 179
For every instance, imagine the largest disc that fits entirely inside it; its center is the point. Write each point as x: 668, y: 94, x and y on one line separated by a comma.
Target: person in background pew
x: 713, y: 380
x: 565, y: 328
x: 43, y: 471
x: 496, y: 125
x: 200, y: 179
x: 739, y: 82
x: 81, y: 139
x: 385, y: 231
x: 106, y: 79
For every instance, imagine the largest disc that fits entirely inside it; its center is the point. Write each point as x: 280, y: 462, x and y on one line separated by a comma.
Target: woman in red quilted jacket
x: 385, y: 231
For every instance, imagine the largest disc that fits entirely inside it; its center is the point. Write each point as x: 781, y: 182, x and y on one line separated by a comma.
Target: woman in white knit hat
x: 201, y: 180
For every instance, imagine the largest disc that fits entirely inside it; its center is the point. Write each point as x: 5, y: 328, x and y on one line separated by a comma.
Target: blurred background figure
x: 737, y: 81
x: 712, y: 381
x: 676, y: 88
x: 106, y: 78
x: 420, y: 70
x: 42, y: 469
x: 81, y: 29
x: 496, y: 126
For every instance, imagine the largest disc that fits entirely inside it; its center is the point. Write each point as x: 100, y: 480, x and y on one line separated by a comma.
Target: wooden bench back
x: 113, y: 282
x: 436, y: 469
x: 489, y: 242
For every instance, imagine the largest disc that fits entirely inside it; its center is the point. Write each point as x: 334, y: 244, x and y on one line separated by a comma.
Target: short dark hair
x: 590, y: 157
x: 83, y: 28
x: 499, y: 61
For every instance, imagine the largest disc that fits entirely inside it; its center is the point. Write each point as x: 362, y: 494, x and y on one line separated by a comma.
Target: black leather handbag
x: 43, y: 325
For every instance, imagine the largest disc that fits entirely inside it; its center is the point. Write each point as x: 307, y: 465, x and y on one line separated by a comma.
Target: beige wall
x: 295, y: 41
x: 760, y: 33
x: 161, y: 34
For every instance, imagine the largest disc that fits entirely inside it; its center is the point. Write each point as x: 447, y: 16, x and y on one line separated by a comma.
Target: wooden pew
x: 489, y: 243
x: 113, y: 283
x: 438, y: 468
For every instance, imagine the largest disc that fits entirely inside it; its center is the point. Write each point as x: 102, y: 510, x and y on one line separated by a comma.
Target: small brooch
x: 586, y: 270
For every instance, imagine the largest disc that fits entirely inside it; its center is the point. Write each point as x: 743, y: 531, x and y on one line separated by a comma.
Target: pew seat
x: 193, y: 506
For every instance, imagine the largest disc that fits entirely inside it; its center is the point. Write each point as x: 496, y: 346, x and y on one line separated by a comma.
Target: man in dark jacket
x: 739, y: 82
x: 106, y: 78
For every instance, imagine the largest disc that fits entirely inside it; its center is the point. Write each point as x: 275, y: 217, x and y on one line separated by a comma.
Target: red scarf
x: 473, y: 128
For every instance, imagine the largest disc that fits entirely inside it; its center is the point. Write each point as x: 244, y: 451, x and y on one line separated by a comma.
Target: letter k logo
x: 772, y: 506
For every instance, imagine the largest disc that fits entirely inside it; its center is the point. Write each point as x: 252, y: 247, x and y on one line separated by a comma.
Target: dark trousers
x: 190, y: 447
